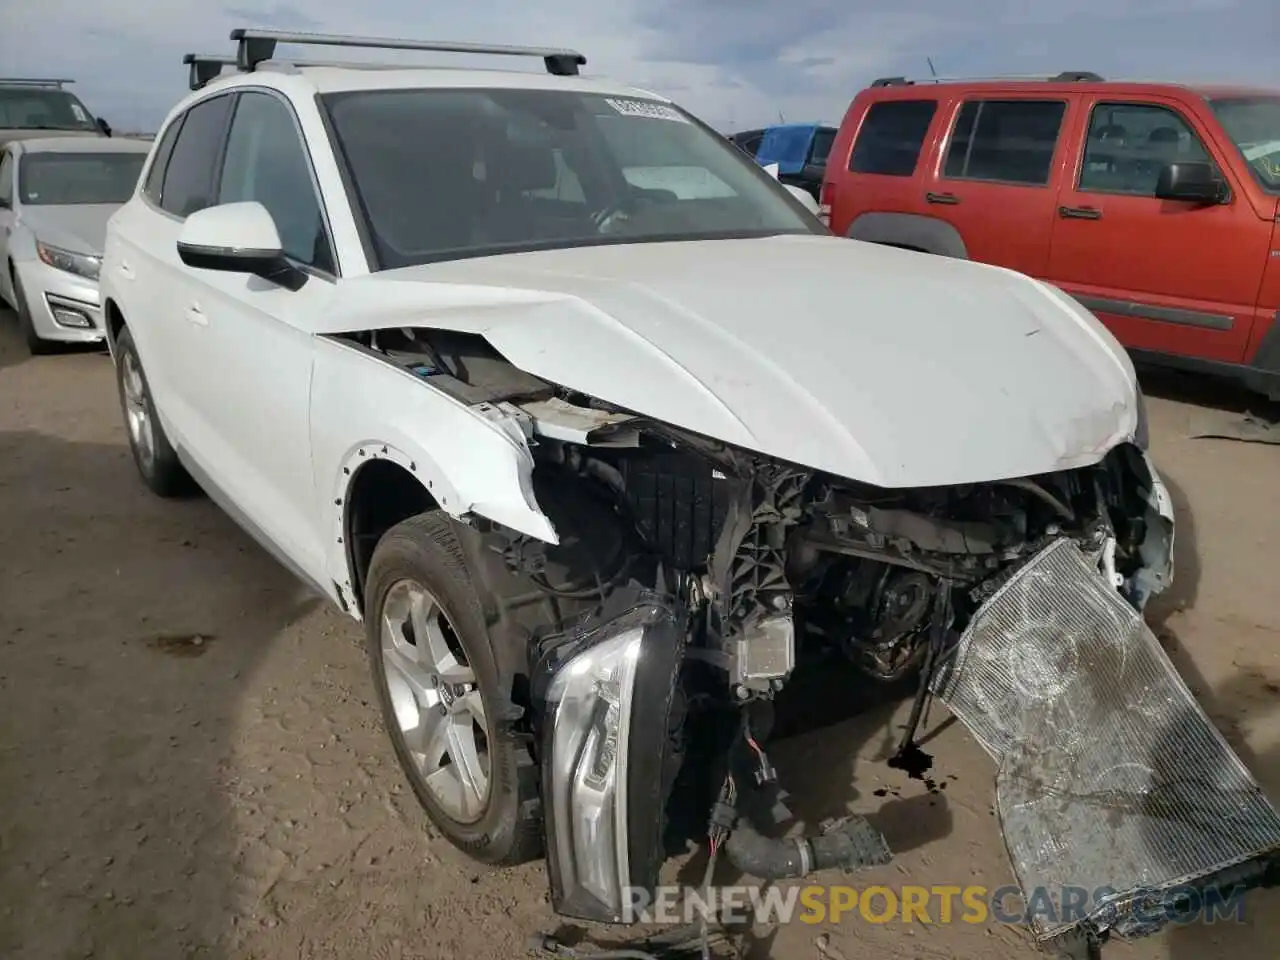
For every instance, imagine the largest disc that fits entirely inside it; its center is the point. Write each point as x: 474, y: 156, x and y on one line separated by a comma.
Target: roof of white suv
x: 336, y: 79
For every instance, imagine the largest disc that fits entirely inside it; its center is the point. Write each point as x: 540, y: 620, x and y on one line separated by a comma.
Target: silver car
x: 56, y: 195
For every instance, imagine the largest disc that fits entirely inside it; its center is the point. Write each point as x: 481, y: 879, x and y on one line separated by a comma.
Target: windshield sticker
x: 80, y: 114
x: 646, y: 109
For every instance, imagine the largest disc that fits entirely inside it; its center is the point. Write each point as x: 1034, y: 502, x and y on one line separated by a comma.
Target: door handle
x: 196, y: 315
x: 1080, y: 213
x: 947, y: 198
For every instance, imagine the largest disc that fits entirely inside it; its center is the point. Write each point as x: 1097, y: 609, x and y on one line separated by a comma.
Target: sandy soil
x: 191, y: 764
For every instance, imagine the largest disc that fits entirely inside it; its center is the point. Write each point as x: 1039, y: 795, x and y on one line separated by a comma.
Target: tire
x: 35, y: 344
x: 502, y: 824
x: 156, y: 461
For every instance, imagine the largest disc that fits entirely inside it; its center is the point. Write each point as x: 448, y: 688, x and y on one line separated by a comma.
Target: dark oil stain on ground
x: 180, y: 644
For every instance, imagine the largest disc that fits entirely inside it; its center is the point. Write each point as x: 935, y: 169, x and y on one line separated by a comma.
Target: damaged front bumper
x: 1110, y: 777
x: 606, y: 692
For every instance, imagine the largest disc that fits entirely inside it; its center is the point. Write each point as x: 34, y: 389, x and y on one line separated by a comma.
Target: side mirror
x: 804, y: 196
x: 103, y: 126
x: 1196, y: 182
x: 237, y: 238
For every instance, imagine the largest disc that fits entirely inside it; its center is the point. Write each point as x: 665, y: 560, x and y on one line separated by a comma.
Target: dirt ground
x: 191, y: 764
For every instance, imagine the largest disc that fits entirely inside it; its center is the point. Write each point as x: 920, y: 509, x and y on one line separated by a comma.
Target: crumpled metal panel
x: 1110, y: 775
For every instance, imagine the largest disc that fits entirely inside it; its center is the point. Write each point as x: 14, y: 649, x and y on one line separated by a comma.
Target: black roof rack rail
x: 57, y: 82
x: 256, y: 46
x: 1066, y: 76
x: 205, y: 67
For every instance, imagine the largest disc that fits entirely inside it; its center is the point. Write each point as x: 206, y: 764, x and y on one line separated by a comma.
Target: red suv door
x: 998, y: 176
x: 1167, y: 276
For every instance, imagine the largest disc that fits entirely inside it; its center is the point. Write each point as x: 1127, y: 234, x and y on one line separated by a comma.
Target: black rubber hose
x: 850, y: 845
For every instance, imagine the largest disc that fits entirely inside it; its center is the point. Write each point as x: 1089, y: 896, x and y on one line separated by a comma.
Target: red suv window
x: 891, y: 137
x: 1010, y: 141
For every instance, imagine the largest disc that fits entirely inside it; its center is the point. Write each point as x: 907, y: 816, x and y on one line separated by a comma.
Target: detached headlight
x: 606, y: 711
x: 81, y: 264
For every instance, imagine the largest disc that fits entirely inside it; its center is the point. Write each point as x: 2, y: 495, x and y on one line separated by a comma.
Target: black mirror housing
x: 271, y: 265
x: 1192, y: 181
x: 103, y: 126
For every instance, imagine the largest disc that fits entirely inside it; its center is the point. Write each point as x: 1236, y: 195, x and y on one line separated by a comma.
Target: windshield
x: 1253, y: 124
x: 443, y: 174
x: 57, y: 179
x: 34, y: 108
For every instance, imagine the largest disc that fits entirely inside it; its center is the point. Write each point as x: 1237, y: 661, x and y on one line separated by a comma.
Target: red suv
x: 1155, y: 205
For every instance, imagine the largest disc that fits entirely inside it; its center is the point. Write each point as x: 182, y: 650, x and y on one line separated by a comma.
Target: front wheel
x: 155, y: 458
x: 429, y: 651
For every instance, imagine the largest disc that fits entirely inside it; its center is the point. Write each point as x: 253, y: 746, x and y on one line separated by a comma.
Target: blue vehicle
x: 799, y: 149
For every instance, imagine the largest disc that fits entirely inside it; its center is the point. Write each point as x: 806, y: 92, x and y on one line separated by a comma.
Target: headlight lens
x: 589, y: 722
x: 82, y: 265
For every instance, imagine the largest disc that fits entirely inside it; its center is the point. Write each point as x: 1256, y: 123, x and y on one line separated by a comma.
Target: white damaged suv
x: 605, y: 439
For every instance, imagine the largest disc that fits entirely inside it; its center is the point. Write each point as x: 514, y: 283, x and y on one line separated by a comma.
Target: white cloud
x: 734, y: 62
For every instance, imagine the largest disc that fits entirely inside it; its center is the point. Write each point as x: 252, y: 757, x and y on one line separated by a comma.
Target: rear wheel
x: 35, y: 343
x: 155, y: 458
x: 429, y: 651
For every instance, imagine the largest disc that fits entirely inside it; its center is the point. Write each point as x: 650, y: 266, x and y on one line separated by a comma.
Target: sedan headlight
x: 81, y: 264
x: 607, y: 697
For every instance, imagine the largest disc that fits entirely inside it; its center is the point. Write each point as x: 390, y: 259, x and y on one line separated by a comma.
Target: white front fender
x: 469, y: 459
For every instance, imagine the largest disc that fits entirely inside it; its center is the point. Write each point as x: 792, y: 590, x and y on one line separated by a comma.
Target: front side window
x: 265, y: 161
x: 1007, y: 141
x: 36, y: 108
x: 891, y: 137
x: 189, y: 175
x: 63, y: 179
x: 1253, y: 124
x: 442, y: 174
x: 1129, y: 144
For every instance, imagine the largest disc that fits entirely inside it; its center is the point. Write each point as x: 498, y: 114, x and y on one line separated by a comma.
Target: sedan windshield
x: 33, y: 108
x: 443, y: 174
x: 56, y: 179
x: 1253, y: 124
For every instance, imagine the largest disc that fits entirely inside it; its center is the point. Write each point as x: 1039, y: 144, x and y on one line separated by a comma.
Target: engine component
x: 752, y: 602
x: 890, y: 625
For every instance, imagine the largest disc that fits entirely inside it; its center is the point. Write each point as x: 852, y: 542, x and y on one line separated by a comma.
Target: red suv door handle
x: 947, y: 198
x: 1080, y: 213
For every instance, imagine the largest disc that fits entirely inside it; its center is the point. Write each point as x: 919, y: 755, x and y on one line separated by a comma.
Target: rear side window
x: 821, y: 149
x: 892, y: 136
x: 155, y: 174
x: 1011, y: 141
x: 189, y: 175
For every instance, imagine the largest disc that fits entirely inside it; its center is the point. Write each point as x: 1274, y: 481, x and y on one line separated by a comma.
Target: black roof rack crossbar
x: 35, y: 81
x: 206, y: 67
x: 1066, y: 76
x: 256, y: 46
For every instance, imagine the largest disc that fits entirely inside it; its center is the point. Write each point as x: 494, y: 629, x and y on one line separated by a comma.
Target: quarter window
x: 189, y: 175
x: 266, y: 162
x: 164, y: 150
x: 1128, y: 145
x: 892, y: 136
x: 6, y: 179
x: 1009, y: 141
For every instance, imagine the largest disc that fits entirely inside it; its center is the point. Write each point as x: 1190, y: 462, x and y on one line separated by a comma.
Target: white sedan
x: 56, y: 195
x: 601, y: 462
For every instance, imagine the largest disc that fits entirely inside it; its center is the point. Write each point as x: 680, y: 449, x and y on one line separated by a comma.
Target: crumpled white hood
x: 881, y: 365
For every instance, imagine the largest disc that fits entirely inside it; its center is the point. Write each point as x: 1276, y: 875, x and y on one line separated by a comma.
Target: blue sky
x: 736, y: 63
